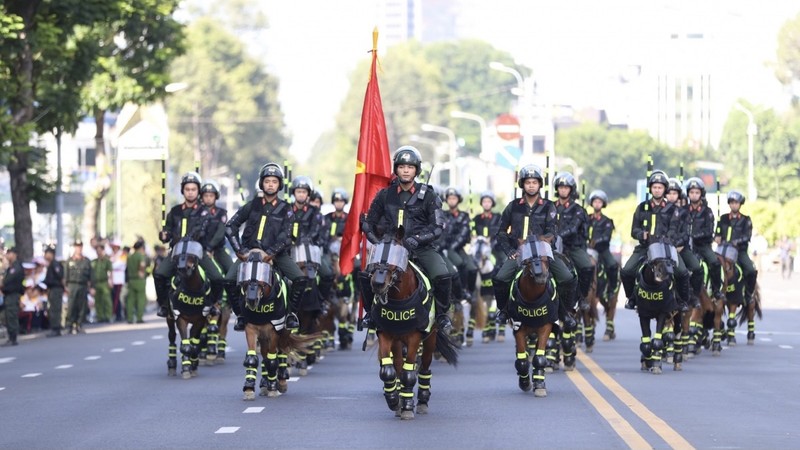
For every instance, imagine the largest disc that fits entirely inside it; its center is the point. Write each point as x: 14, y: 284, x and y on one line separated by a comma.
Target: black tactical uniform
x: 216, y: 218
x: 701, y: 235
x: 737, y: 229
x: 601, y: 228
x: 54, y: 279
x: 13, y: 288
x: 487, y: 224
x: 573, y: 227
x: 419, y: 211
x: 307, y: 228
x: 267, y: 226
x: 457, y: 235
x: 681, y: 241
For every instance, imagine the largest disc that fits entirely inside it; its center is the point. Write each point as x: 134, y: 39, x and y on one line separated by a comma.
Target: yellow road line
x: 621, y: 426
x: 672, y: 438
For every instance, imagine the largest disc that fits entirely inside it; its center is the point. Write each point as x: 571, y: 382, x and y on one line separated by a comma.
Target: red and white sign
x: 507, y: 127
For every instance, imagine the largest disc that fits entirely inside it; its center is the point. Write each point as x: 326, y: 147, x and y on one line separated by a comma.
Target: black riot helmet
x: 452, y: 190
x: 674, y: 185
x: 658, y: 176
x: 210, y: 186
x: 696, y: 183
x: 340, y: 194
x: 566, y: 179
x: 530, y: 171
x: 302, y: 182
x: 489, y: 195
x: 597, y: 193
x: 736, y: 196
x: 191, y: 177
x: 270, y: 170
x: 407, y: 155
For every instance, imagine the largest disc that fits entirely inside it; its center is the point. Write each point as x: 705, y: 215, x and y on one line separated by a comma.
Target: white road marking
x: 64, y: 366
x: 765, y: 339
x: 156, y: 337
x: 92, y: 358
x: 786, y: 347
x: 31, y: 375
x: 7, y: 359
x: 293, y: 379
x: 138, y: 343
x: 2, y: 388
x: 336, y: 398
x: 253, y: 410
x: 117, y: 350
x: 227, y: 430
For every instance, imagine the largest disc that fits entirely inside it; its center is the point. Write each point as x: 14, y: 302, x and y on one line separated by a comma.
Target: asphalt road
x: 109, y: 389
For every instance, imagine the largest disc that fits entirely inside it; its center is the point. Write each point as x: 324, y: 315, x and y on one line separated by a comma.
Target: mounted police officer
x: 307, y: 226
x: 188, y: 219
x: 457, y: 234
x: 417, y: 208
x: 682, y: 244
x: 54, y: 279
x: 701, y: 234
x: 525, y: 216
x: 573, y: 227
x: 487, y: 223
x: 267, y: 226
x: 215, y: 227
x: 654, y: 218
x: 737, y: 229
x: 601, y: 228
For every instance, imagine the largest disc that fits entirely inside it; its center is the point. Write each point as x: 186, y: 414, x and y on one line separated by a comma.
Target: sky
x: 577, y: 49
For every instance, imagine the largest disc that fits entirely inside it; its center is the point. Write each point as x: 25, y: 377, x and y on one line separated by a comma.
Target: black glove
x: 569, y: 323
x: 502, y: 316
x: 411, y: 242
x: 164, y: 236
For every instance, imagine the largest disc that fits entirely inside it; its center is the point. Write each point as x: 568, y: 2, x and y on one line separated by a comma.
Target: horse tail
x: 447, y: 347
x: 291, y: 343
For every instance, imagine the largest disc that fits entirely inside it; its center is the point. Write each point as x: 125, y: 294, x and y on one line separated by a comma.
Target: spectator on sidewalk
x: 32, y: 306
x: 136, y: 271
x: 13, y: 288
x: 786, y: 247
x: 54, y: 280
x: 119, y: 261
x: 78, y: 276
x: 101, y: 273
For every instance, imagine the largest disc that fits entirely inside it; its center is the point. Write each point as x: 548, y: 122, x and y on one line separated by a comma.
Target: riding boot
x: 367, y: 297
x: 501, y: 295
x: 585, y: 277
x: 715, y: 275
x: 683, y: 292
x: 568, y: 294
x: 324, y: 288
x: 628, y: 283
x: 750, y: 287
x: 235, y: 300
x: 457, y: 290
x: 441, y: 293
x: 162, y: 295
x: 299, y: 286
x: 613, y: 281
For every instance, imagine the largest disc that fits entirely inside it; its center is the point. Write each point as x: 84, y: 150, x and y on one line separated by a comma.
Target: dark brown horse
x: 265, y: 299
x: 308, y: 258
x: 404, y: 313
x: 533, y: 310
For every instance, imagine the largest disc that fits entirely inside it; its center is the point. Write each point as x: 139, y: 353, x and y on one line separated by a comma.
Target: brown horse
x: 588, y: 306
x: 733, y: 287
x: 481, y: 250
x: 533, y: 309
x: 264, y: 308
x: 308, y: 258
x: 404, y: 313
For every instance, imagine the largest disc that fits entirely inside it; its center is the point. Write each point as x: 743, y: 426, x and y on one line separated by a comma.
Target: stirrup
x: 240, y: 324
x: 630, y: 303
x: 162, y: 311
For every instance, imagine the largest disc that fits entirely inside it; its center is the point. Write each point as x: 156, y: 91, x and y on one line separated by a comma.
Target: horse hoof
x: 193, y: 373
x: 501, y: 338
x: 716, y: 353
x: 273, y: 394
x: 751, y: 342
x: 302, y: 372
x: 249, y: 396
x: 406, y: 414
x: 540, y: 392
x: 210, y: 359
x: 569, y: 368
x: 548, y: 369
x: 282, y: 386
x: 397, y: 411
x: 202, y: 362
x: 172, y: 372
x: 589, y: 349
x: 677, y: 367
x: 422, y: 408
x: 689, y: 355
x: 263, y: 392
x: 655, y: 370
x: 186, y: 375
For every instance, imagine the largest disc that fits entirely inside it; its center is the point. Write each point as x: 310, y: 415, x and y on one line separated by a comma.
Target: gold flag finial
x: 375, y: 39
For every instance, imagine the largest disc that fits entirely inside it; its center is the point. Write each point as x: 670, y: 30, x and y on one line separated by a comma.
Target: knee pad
x: 646, y: 348
x: 387, y: 373
x: 271, y: 364
x: 408, y: 377
x: 250, y: 362
x: 523, y: 366
x: 539, y: 362
x: 657, y: 345
x: 731, y: 322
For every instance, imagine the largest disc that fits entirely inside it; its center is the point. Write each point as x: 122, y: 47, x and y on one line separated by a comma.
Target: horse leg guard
x: 251, y: 374
x: 408, y: 378
x: 657, y: 351
x: 691, y: 343
x: 389, y: 377
x: 585, y: 278
x: 588, y: 331
x: 609, y: 334
x: 186, y: 358
x: 539, y: 364
x: 423, y: 391
x: 668, y: 336
x: 213, y: 339
x: 716, y: 343
x: 553, y: 353
x: 568, y: 346
x: 731, y: 329
x: 647, y: 349
x: 172, y: 360
x: 222, y: 344
x: 677, y: 356
x: 523, y: 367
x: 471, y: 330
x: 269, y: 375
x: 283, y: 372
x: 751, y: 332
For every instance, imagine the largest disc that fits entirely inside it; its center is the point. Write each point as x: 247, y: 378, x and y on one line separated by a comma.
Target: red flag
x: 373, y: 165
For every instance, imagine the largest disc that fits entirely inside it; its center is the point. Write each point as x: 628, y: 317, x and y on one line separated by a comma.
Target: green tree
x: 133, y: 56
x: 788, y: 65
x: 229, y: 113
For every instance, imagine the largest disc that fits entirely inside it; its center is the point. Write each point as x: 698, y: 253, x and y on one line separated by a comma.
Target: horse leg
x: 172, y: 353
x: 250, y: 363
x: 731, y: 324
x: 522, y: 363
x: 611, y: 312
x: 283, y: 372
x: 568, y: 347
x: 668, y: 336
x: 424, y: 374
x: 343, y: 327
x: 186, y: 347
x: 202, y: 354
x: 213, y: 338
x: 588, y: 326
x: 269, y: 363
x: 490, y: 328
x: 194, y: 340
x: 387, y: 372
x: 646, y: 346
x: 540, y: 361
x: 751, y: 322
x: 222, y: 343
x: 553, y: 351
x: 681, y: 325
x: 658, y: 344
x: 408, y: 376
x: 716, y: 342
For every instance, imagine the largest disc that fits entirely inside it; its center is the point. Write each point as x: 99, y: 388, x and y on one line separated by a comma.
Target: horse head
x: 482, y: 254
x: 187, y: 255
x: 388, y: 262
x: 727, y: 255
x: 662, y: 257
x: 255, y: 278
x: 535, y: 253
x: 308, y: 257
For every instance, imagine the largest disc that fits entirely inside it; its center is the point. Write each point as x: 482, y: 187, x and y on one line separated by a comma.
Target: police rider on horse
x: 737, y: 229
x: 573, y: 227
x: 701, y: 234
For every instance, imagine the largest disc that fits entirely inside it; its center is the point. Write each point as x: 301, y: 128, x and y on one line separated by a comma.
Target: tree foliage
x: 788, y: 67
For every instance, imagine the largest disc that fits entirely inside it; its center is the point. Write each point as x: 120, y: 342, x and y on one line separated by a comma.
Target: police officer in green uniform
x: 101, y: 271
x: 267, y: 226
x: 417, y: 208
x: 701, y: 234
x: 13, y: 288
x: 215, y: 228
x: 654, y: 218
x: 79, y: 276
x: 573, y: 227
x: 54, y: 279
x: 737, y: 229
x: 523, y: 217
x: 136, y: 273
x: 186, y: 219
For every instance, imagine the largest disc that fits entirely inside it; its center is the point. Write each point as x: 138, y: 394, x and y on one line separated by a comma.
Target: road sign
x: 508, y: 157
x: 507, y: 127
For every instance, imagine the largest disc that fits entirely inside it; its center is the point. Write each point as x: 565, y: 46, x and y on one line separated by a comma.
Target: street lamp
x: 482, y: 123
x: 525, y: 101
x: 752, y: 130
x: 451, y: 137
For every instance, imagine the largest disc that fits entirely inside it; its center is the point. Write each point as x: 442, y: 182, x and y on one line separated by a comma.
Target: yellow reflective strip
x: 653, y: 224
x: 295, y: 228
x: 261, y: 227
x: 591, y: 230
x: 645, y: 339
x: 333, y: 229
x: 730, y: 229
x: 385, y: 361
x: 540, y: 352
x: 525, y: 227
x: 400, y: 215
x: 408, y: 366
x: 522, y: 355
x: 485, y: 231
x: 183, y: 227
x: 657, y: 336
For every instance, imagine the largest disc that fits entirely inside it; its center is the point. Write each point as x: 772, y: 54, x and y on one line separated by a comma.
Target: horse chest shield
x: 190, y: 300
